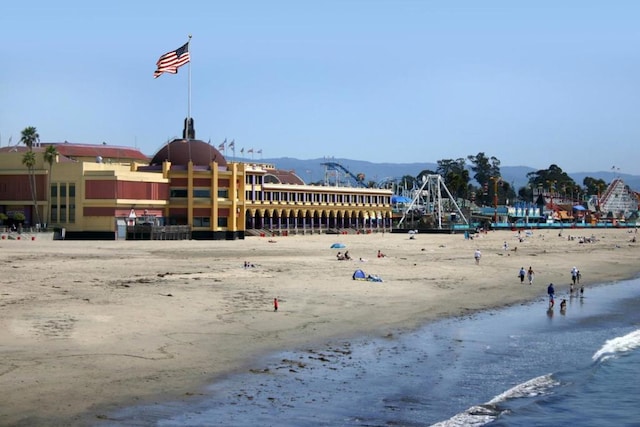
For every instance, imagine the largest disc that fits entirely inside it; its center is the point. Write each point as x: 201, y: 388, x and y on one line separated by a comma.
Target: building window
x: 223, y: 193
x: 204, y: 193
x: 54, y: 203
x: 63, y: 203
x: 178, y: 193
x: 72, y: 203
x: 222, y: 221
x: 204, y: 221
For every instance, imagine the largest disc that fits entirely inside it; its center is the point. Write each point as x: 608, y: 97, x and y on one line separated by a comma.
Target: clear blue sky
x: 530, y: 82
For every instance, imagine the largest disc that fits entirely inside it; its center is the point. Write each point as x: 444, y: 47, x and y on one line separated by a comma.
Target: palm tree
x: 50, y: 155
x: 29, y: 138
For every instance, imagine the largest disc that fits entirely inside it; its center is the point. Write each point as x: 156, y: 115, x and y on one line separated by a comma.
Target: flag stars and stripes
x: 171, y: 61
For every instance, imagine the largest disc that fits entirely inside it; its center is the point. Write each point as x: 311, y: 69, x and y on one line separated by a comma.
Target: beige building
x: 187, y: 190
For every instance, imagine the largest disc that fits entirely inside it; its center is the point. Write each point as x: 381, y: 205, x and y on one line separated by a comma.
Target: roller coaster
x: 337, y: 175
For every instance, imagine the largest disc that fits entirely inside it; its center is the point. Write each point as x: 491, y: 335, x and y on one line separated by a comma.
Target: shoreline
x: 113, y: 324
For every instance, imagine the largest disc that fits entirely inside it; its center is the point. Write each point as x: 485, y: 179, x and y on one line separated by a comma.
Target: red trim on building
x: 179, y: 182
x: 126, y: 190
x: 99, y: 211
x: 16, y: 188
x: 202, y: 182
x: 100, y: 189
x: 202, y: 212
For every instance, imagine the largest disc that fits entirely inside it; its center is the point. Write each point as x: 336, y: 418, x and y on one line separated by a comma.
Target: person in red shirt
x: 275, y: 304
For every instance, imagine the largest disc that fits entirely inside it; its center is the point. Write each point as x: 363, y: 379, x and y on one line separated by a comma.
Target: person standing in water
x: 552, y: 294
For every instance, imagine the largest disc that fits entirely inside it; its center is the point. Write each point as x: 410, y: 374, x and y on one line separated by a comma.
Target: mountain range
x: 314, y: 170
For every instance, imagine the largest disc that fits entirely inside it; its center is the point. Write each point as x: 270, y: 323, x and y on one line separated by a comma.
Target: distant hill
x: 312, y: 170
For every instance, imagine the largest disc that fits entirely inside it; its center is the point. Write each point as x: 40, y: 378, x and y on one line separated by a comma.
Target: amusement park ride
x: 431, y: 199
x: 337, y: 175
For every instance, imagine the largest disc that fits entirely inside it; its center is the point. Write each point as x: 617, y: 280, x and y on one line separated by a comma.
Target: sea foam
x: 618, y: 345
x: 483, y: 414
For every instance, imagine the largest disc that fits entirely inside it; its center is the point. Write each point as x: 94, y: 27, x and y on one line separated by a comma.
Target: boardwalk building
x: 188, y: 189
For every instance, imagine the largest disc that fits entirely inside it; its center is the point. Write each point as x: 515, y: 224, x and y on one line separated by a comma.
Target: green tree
x: 553, y: 180
x: 30, y: 137
x: 485, y: 168
x: 455, y: 175
x: 50, y: 155
x: 593, y: 185
x: 526, y: 193
x: 423, y: 175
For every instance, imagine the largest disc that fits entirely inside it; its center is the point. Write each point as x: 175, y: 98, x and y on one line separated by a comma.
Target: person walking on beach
x: 574, y: 275
x: 552, y: 294
x: 275, y: 304
x: 477, y: 255
x: 530, y: 275
x: 521, y: 274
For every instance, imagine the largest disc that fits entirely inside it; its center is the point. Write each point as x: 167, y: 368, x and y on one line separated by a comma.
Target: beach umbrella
x: 338, y: 246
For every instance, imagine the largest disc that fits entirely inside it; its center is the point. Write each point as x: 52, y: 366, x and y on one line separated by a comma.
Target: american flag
x: 232, y: 145
x: 250, y: 150
x: 221, y: 146
x: 171, y: 61
x: 259, y: 151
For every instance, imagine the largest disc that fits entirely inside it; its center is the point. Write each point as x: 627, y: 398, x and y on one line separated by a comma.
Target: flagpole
x: 188, y: 127
x: 189, y: 86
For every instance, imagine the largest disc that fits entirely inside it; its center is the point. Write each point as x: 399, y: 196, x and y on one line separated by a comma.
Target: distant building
x: 105, y: 192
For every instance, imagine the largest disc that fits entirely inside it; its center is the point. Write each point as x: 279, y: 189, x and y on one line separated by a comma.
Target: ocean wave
x: 615, y: 346
x: 480, y: 415
x: 473, y: 417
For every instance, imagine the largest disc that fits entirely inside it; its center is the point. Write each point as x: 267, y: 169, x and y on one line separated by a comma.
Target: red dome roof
x: 179, y: 151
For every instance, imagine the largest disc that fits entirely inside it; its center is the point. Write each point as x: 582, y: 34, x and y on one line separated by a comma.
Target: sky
x: 532, y: 83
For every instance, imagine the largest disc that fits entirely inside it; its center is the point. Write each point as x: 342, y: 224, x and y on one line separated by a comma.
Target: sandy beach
x: 87, y: 326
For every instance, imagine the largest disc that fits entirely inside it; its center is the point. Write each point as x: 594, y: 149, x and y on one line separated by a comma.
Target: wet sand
x: 90, y: 326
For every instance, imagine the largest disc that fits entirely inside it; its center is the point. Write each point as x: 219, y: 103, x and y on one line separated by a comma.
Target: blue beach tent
x: 359, y: 275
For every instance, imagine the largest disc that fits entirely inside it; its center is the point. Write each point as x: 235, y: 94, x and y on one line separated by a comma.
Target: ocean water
x: 519, y: 366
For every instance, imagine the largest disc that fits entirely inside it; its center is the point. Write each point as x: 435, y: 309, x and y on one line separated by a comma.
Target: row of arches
x: 316, y: 220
